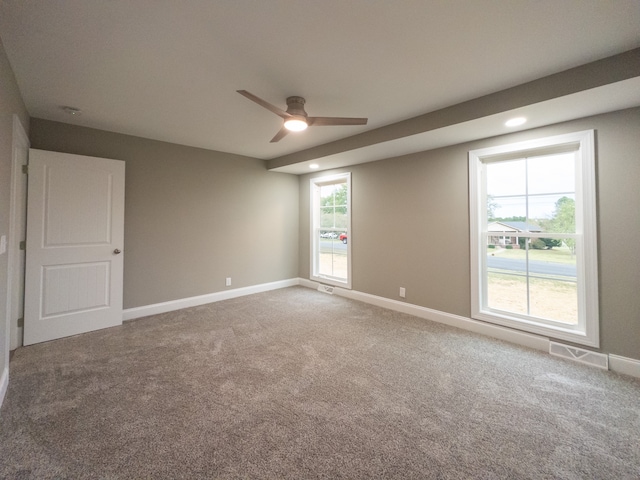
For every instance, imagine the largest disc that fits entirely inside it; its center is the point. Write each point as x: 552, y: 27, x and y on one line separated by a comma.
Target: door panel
x: 74, y: 288
x: 75, y: 231
x: 70, y: 222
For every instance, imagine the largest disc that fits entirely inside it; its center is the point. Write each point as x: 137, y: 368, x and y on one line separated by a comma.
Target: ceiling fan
x: 296, y: 119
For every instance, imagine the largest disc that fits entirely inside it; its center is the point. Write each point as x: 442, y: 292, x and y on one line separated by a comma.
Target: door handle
x: 116, y: 251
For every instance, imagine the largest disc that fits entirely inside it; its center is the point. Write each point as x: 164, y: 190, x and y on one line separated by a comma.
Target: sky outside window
x: 536, y: 184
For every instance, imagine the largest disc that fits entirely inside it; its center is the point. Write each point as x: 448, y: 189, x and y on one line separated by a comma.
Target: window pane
x: 509, y: 258
x: 501, y: 235
x: 556, y: 296
x: 507, y: 207
x: 340, y: 195
x: 328, y: 234
x: 562, y: 216
x: 554, y: 299
x: 327, y: 217
x: 506, y: 275
x: 553, y: 256
x: 326, y: 194
x: 552, y: 174
x: 341, y: 218
x: 333, y: 258
x: 506, y: 178
x: 333, y: 195
x: 507, y: 292
x: 542, y: 207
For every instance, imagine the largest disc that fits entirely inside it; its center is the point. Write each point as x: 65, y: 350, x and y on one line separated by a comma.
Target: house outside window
x: 331, y: 238
x: 506, y: 232
x: 533, y: 237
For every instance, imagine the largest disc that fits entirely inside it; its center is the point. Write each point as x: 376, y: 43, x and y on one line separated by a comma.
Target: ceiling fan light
x: 295, y: 124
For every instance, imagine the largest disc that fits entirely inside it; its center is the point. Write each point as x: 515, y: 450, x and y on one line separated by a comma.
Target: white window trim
x: 315, y: 239
x: 587, y: 330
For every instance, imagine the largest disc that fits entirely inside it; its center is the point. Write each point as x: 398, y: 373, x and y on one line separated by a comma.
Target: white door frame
x: 17, y: 222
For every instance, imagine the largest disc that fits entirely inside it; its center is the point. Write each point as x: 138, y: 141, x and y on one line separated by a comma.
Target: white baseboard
x: 4, y: 384
x: 308, y: 283
x: 627, y: 366
x: 145, y: 311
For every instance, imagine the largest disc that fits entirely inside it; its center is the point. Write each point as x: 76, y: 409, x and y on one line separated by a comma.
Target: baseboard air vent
x: 325, y: 289
x: 594, y: 359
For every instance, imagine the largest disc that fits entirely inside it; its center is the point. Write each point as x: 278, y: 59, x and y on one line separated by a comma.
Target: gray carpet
x: 299, y: 384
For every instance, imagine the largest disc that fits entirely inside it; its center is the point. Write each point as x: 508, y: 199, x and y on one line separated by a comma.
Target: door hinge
x: 23, y: 245
x: 21, y: 322
x: 25, y: 169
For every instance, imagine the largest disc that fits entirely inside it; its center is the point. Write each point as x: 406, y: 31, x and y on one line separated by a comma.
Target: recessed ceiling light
x: 72, y: 111
x: 314, y: 166
x: 514, y: 122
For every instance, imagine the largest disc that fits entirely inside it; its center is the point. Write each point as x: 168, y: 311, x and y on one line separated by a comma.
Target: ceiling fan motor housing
x: 295, y: 106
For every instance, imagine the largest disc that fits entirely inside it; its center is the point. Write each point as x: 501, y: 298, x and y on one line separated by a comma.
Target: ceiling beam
x: 596, y: 74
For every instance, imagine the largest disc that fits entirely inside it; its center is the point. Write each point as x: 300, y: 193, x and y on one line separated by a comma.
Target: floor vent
x: 594, y: 359
x: 325, y: 289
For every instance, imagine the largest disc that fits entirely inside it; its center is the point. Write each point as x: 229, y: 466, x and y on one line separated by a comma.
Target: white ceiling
x: 169, y: 70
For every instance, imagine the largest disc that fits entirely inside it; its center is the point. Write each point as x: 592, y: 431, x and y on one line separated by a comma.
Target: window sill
x: 568, y: 333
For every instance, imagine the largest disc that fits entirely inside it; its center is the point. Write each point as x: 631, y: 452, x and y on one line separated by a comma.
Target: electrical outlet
x: 403, y: 292
x: 228, y: 282
x: 3, y: 244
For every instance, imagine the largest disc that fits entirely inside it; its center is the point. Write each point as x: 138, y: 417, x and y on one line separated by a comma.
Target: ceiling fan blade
x: 281, y: 133
x: 265, y: 104
x: 328, y: 121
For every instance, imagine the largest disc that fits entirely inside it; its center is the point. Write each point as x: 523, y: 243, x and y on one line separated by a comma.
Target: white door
x: 75, y: 231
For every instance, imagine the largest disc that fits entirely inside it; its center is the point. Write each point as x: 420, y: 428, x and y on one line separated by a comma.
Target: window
x: 331, y: 229
x: 533, y: 237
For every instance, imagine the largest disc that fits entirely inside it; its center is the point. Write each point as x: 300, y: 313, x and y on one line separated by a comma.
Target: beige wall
x: 410, y: 225
x: 192, y: 216
x: 10, y: 103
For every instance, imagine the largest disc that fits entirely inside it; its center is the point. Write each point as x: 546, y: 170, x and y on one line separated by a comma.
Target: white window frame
x: 586, y: 332
x: 315, y: 227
